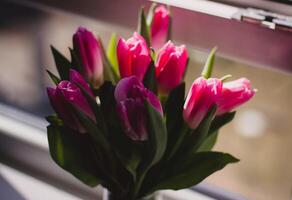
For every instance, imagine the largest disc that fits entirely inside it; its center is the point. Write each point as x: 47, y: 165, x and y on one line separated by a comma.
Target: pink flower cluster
x: 134, y: 57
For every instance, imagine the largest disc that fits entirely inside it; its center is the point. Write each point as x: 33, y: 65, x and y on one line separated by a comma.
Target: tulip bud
x: 66, y: 93
x: 170, y: 66
x: 88, y: 48
x: 130, y: 95
x: 159, y: 27
x: 204, y: 93
x: 133, y: 56
x: 234, y: 93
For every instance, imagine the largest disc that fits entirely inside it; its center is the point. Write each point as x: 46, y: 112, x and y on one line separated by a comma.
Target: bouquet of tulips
x: 122, y: 119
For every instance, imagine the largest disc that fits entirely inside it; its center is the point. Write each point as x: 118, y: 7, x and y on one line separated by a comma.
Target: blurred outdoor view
x: 260, y: 136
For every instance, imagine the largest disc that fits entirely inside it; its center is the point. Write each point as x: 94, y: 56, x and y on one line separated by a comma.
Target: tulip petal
x: 80, y: 47
x: 159, y: 27
x: 163, y: 56
x: 140, y: 65
x: 124, y: 58
x: 88, y: 48
x: 204, y: 93
x: 192, y: 100
x: 234, y: 94
x: 153, y: 100
x: 63, y: 111
x: 131, y: 111
x: 170, y: 66
x: 77, y: 79
x: 71, y: 93
x: 133, y: 56
x: 131, y: 95
x: 124, y: 87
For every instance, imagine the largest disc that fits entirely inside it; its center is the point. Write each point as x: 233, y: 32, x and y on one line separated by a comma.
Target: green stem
x: 138, y: 184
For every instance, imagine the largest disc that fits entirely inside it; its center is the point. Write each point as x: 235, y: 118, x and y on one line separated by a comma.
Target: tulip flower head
x: 234, y: 93
x: 66, y: 93
x: 133, y: 56
x: 170, y: 66
x: 204, y: 93
x: 130, y: 95
x: 159, y: 27
x: 88, y: 49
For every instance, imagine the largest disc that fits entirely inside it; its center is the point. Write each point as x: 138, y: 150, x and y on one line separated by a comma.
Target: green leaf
x: 217, y: 123
x: 155, y: 146
x: 92, y: 129
x: 174, y: 119
x: 196, y: 138
x: 151, y: 13
x: 108, y: 72
x: 112, y: 53
x: 53, y: 77
x: 202, y: 131
x: 157, y: 133
x: 108, y: 109
x: 187, y: 68
x: 208, y: 68
x: 125, y: 149
x: 150, y: 78
x: 194, y: 170
x: 94, y: 107
x: 143, y: 28
x: 153, y: 53
x: 209, y: 142
x: 129, y: 157
x: 75, y: 61
x: 62, y: 63
x: 221, y: 121
x: 174, y: 108
x: 68, y: 149
x: 101, y: 141
x: 108, y: 104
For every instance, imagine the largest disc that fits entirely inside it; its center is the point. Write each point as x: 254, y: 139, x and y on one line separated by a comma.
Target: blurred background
x: 260, y: 136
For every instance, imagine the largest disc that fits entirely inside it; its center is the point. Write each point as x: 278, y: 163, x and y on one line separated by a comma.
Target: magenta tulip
x: 170, y: 66
x: 133, y: 56
x: 159, y: 27
x: 89, y: 51
x: 234, y: 93
x: 130, y: 95
x: 66, y: 93
x: 204, y: 93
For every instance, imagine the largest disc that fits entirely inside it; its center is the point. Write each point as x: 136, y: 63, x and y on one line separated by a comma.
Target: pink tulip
x: 133, y: 56
x: 66, y: 93
x: 88, y: 48
x: 130, y: 95
x: 204, y: 93
x: 234, y: 93
x: 159, y: 27
x: 170, y: 66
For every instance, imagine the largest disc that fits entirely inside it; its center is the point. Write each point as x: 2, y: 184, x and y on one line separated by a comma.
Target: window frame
x: 205, y: 32
x: 272, y: 5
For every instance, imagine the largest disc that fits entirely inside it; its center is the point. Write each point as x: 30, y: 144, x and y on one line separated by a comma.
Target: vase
x: 107, y: 196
